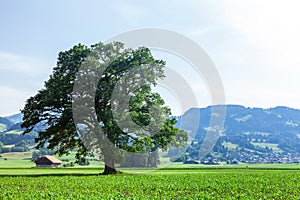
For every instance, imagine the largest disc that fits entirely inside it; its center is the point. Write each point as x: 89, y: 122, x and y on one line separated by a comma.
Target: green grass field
x: 23, y: 160
x: 270, y: 145
x: 16, y: 160
x: 19, y: 179
x: 159, y: 184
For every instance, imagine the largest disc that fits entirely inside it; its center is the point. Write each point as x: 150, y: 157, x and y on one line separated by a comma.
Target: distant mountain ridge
x: 11, y: 122
x: 11, y: 131
x: 247, y: 132
x: 242, y: 119
x: 6, y: 122
x: 16, y: 118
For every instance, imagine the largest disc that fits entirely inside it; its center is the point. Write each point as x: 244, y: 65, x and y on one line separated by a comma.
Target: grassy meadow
x: 161, y: 184
x: 19, y: 179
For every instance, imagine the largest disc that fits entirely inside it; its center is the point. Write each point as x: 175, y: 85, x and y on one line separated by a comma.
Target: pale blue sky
x: 255, y: 45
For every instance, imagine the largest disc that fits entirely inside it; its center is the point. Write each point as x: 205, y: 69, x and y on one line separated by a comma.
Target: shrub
x: 6, y: 150
x: 17, y: 149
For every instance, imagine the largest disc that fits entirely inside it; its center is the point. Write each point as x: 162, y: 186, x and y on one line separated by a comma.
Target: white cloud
x: 20, y: 77
x: 271, y: 27
x: 21, y: 64
x: 12, y: 100
x: 257, y: 53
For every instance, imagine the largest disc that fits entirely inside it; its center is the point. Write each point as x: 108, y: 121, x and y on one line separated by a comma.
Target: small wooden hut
x: 47, y: 162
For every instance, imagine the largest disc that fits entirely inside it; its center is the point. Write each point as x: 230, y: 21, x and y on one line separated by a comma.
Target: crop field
x: 172, y: 183
x: 19, y: 179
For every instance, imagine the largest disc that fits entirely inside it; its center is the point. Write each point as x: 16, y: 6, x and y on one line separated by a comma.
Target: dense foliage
x: 54, y: 107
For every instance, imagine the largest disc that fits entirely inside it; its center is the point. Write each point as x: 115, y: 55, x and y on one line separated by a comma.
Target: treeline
x: 20, y: 146
x: 11, y: 139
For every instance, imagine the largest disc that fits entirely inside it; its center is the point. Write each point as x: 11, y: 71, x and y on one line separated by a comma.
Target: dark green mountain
x: 11, y: 131
x: 16, y: 118
x: 246, y: 131
x: 5, y: 123
x: 239, y: 119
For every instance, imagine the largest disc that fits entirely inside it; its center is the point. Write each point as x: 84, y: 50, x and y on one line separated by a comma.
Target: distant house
x: 47, y: 161
x: 235, y: 162
x: 209, y: 162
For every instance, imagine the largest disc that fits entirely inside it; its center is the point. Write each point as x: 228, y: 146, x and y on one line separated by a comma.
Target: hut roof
x: 52, y: 159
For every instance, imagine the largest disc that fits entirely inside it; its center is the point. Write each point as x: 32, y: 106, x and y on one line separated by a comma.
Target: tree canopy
x: 99, y: 99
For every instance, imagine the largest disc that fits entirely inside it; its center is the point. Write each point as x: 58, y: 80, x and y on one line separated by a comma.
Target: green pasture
x: 85, y: 183
x: 14, y: 132
x: 23, y: 160
x: 16, y: 160
x: 269, y: 145
x: 19, y: 179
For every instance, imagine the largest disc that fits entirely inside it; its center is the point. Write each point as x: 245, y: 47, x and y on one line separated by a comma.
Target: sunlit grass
x: 14, y: 132
x: 201, y: 184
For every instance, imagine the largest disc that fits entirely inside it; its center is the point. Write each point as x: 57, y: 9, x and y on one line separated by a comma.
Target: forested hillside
x: 250, y: 134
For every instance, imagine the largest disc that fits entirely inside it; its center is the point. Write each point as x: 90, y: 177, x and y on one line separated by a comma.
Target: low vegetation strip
x: 37, y: 172
x: 271, y: 184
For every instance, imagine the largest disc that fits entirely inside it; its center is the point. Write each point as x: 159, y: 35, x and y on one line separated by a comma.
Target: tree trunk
x: 153, y: 159
x: 109, y: 170
x: 109, y: 166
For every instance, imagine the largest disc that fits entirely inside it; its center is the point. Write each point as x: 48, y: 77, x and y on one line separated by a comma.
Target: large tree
x: 99, y: 99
